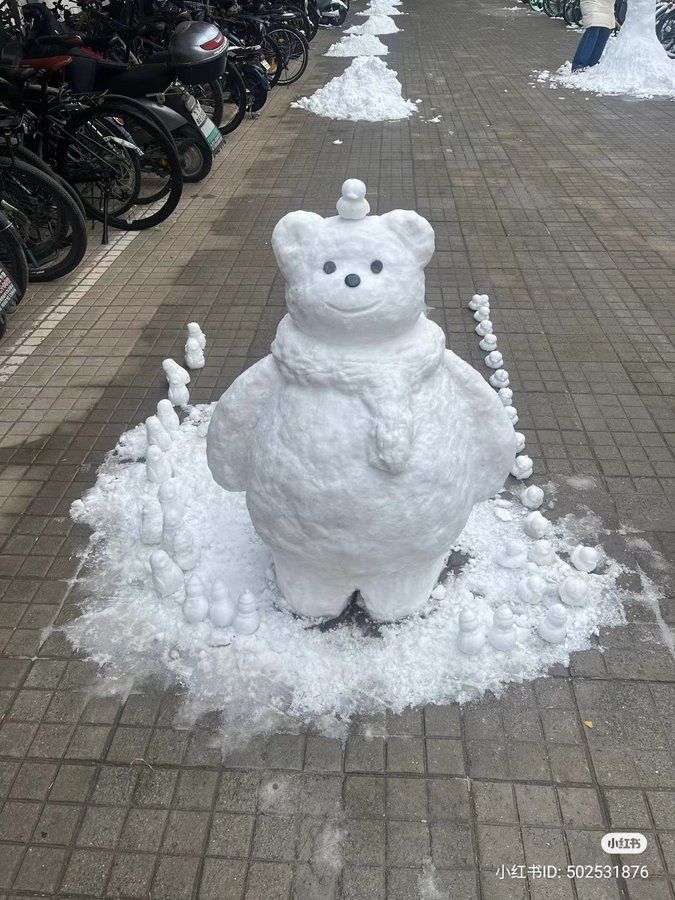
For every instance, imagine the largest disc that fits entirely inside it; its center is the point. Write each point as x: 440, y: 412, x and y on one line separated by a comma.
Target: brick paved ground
x: 559, y: 206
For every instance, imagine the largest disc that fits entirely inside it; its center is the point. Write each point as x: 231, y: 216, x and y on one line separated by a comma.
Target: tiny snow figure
x: 439, y: 592
x: 482, y: 314
x: 173, y: 519
x: 536, y: 526
x: 157, y: 465
x: 194, y: 331
x: 585, y: 559
x: 196, y: 606
x: 167, y: 493
x: 151, y: 521
x: 532, y: 497
x: 506, y: 396
x: 520, y: 442
x: 247, y: 617
x: 499, y: 379
x: 553, y: 626
x: 484, y: 327
x: 222, y: 608
x: 532, y: 589
x: 512, y: 414
x: 489, y: 342
x: 184, y: 549
x: 358, y: 387
x: 494, y: 360
x: 168, y: 416
x: 502, y: 635
x: 471, y: 638
x: 573, y: 590
x: 194, y: 355
x: 479, y: 300
x: 513, y: 556
x: 177, y: 378
x: 157, y: 434
x: 522, y: 467
x: 167, y: 577
x: 542, y: 553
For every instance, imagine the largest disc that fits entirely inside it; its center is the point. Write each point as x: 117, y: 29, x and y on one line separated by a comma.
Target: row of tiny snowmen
x: 177, y: 377
x: 480, y: 304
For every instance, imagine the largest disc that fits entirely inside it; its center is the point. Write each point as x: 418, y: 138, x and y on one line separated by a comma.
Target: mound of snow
x: 381, y: 8
x: 358, y: 45
x: 375, y: 25
x: 634, y: 63
x: 367, y: 91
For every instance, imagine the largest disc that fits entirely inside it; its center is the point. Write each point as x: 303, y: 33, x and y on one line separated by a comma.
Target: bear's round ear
x: 293, y: 236
x: 414, y: 231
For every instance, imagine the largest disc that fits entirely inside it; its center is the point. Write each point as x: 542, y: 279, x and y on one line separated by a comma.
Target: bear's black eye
x: 376, y: 266
x: 329, y: 267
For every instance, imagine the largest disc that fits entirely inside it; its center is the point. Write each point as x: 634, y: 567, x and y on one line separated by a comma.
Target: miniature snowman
x: 513, y: 556
x: 494, y: 360
x: 194, y: 347
x: 157, y: 433
x: 482, y: 314
x: 184, y: 549
x: 167, y: 577
x: 532, y: 589
x: 173, y: 519
x: 522, y: 467
x: 151, y: 521
x: 177, y: 378
x: 194, y: 332
x: 196, y: 604
x: 532, y: 497
x: 536, y: 526
x: 222, y: 608
x: 479, y: 300
x: 489, y: 342
x: 168, y: 416
x: 157, y: 465
x: 573, y: 590
x: 247, y: 618
x: 520, y: 442
x: 484, y: 327
x: 499, y: 379
x: 553, y: 626
x: 506, y: 396
x: 542, y: 553
x: 502, y: 635
x: 585, y: 559
x: 471, y: 638
x: 360, y: 406
x: 512, y: 413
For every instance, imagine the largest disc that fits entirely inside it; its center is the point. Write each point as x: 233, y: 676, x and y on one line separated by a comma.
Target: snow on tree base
x: 290, y: 670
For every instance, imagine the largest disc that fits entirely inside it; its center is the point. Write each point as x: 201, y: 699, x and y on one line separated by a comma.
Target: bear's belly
x: 313, y: 490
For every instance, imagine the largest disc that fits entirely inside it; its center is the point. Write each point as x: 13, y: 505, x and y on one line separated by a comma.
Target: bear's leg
x: 310, y: 590
x: 393, y: 596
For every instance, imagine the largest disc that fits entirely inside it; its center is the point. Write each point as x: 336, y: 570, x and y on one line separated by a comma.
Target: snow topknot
x: 353, y: 204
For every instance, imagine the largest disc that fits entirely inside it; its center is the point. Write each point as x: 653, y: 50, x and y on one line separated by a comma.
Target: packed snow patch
x: 375, y: 25
x: 367, y: 91
x: 290, y: 670
x: 358, y: 45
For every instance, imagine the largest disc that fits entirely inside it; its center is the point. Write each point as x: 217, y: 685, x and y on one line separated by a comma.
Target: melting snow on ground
x: 634, y: 63
x: 358, y: 45
x: 375, y: 25
x: 367, y: 91
x: 291, y: 669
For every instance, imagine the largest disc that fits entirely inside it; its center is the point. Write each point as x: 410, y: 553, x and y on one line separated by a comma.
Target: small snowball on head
x: 353, y: 204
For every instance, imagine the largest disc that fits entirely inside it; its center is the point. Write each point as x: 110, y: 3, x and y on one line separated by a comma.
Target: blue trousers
x: 590, y: 47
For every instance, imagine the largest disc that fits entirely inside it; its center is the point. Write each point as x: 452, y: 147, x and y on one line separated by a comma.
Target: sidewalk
x: 558, y: 205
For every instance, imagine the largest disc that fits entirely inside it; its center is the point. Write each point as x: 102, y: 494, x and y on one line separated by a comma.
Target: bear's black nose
x: 352, y: 280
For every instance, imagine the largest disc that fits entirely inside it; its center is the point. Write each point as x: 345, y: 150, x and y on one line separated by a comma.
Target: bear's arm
x: 493, y: 436
x: 234, y: 421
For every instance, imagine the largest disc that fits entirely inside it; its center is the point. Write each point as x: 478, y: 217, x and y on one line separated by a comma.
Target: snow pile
x: 375, y: 25
x: 368, y: 91
x: 634, y: 63
x: 358, y: 45
x: 382, y: 8
x: 291, y: 670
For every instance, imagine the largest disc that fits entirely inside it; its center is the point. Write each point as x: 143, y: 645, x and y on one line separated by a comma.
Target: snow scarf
x: 385, y: 384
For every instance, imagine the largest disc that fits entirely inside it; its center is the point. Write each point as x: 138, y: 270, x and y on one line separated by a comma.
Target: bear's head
x: 354, y: 277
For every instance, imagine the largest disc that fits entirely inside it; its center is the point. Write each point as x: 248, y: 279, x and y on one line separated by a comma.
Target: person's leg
x: 585, y: 49
x: 600, y: 44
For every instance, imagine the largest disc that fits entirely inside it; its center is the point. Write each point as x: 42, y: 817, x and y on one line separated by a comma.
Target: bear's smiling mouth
x: 352, y: 309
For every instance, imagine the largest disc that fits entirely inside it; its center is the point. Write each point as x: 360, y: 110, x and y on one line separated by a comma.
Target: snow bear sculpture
x: 362, y: 442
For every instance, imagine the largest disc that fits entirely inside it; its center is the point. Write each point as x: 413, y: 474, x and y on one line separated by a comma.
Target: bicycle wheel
x: 294, y: 51
x: 46, y: 218
x: 210, y: 97
x: 18, y: 151
x: 13, y: 261
x: 274, y: 60
x: 234, y: 99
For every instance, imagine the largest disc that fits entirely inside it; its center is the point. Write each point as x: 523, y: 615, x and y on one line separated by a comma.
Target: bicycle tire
x: 195, y: 154
x: 22, y: 153
x: 290, y: 42
x: 13, y: 259
x: 210, y: 97
x: 35, y: 194
x: 234, y: 97
x: 272, y: 56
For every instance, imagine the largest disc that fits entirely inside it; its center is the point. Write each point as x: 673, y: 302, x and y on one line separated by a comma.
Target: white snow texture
x: 358, y: 45
x: 378, y: 24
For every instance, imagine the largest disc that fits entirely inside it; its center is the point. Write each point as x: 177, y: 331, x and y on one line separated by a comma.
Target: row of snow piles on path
x: 368, y: 90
